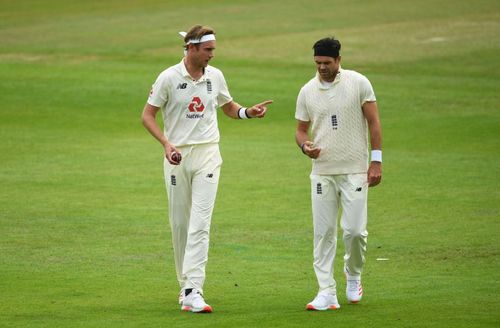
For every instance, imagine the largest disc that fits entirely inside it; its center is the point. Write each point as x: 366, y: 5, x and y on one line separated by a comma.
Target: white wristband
x: 242, y: 113
x: 377, y: 156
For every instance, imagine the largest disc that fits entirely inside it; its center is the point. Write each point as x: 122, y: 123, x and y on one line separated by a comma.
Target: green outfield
x: 84, y: 236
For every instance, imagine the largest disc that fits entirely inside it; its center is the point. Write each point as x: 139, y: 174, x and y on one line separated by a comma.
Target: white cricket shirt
x: 189, y: 108
x: 338, y: 126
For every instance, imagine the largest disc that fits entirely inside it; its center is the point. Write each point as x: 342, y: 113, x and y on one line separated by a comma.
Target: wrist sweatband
x: 302, y: 148
x: 377, y: 156
x: 242, y: 113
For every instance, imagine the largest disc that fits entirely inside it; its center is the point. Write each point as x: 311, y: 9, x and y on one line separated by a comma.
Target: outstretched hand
x: 259, y: 110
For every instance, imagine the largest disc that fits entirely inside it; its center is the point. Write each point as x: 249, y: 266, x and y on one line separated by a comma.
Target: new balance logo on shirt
x: 182, y: 86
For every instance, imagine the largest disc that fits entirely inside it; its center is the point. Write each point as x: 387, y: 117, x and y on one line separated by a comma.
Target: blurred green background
x: 84, y: 235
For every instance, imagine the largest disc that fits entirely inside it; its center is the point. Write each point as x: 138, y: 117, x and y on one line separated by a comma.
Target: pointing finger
x: 267, y: 102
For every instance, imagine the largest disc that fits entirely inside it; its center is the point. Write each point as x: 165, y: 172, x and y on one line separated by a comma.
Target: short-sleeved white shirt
x: 338, y: 125
x: 189, y: 108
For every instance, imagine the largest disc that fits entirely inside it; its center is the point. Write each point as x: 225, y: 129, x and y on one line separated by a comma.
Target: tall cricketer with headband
x: 188, y: 95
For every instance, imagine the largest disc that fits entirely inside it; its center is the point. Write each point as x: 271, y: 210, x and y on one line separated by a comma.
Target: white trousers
x: 334, y: 195
x: 192, y: 189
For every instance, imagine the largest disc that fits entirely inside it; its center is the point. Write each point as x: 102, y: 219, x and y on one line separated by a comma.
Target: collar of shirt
x: 186, y: 74
x: 326, y: 85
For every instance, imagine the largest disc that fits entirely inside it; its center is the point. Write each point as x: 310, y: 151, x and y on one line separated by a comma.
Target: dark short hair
x: 327, y: 47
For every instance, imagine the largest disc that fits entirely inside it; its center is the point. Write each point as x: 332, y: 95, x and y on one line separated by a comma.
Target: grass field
x: 84, y: 237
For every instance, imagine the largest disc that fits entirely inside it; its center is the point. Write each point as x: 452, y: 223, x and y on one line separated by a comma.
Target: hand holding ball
x: 176, y: 157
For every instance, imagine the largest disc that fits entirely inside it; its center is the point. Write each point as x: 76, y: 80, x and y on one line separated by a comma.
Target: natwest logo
x: 196, y: 105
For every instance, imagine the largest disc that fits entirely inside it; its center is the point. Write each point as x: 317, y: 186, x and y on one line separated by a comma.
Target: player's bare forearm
x: 172, y: 154
x: 232, y: 109
x: 370, y: 111
x: 375, y: 135
x: 149, y: 121
x: 302, y: 132
x: 302, y: 139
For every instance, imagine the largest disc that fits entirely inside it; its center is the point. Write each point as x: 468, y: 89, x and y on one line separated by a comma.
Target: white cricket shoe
x: 194, y: 302
x: 181, y: 296
x: 323, y: 301
x: 354, y: 290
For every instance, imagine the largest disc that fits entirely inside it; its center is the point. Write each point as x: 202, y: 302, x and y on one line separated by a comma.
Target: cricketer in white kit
x: 188, y: 95
x: 338, y: 107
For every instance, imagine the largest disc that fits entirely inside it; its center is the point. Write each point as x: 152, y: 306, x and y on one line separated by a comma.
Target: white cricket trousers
x: 192, y: 188
x: 331, y: 195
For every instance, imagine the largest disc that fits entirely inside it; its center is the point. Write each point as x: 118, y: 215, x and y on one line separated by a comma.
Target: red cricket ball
x: 176, y: 157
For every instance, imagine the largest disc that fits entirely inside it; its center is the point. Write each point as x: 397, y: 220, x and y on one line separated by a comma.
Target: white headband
x: 205, y: 38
